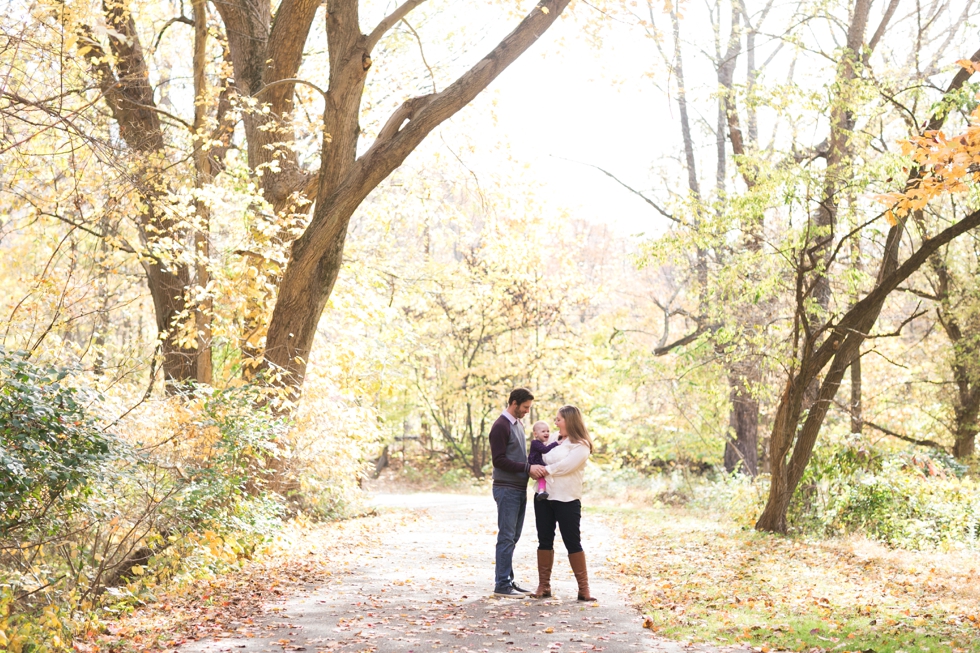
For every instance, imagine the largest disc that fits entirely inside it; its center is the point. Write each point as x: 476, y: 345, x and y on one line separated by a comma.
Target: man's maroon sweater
x: 509, y: 455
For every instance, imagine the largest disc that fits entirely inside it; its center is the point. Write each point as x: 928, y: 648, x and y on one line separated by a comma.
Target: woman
x: 565, y: 465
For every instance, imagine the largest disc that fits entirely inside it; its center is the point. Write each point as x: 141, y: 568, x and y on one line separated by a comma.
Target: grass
x: 702, y: 578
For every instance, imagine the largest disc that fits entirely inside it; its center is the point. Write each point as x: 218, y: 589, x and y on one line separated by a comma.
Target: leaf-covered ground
x: 707, y: 580
x: 230, y: 603
x: 415, y: 577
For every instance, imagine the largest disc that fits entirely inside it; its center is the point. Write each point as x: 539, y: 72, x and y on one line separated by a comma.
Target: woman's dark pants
x: 567, y: 515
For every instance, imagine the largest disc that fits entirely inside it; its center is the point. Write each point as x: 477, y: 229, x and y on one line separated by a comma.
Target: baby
x: 539, y: 447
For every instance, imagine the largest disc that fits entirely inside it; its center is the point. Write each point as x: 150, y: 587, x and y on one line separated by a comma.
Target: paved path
x: 427, y: 586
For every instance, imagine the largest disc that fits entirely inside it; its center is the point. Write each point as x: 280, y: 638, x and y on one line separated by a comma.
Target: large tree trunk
x: 742, y: 450
x: 203, y: 175
x: 344, y: 182
x: 966, y: 405
x: 966, y: 425
x: 125, y: 86
x: 124, y: 81
x: 966, y: 402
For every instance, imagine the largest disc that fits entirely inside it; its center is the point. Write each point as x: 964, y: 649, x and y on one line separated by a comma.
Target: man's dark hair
x: 519, y: 396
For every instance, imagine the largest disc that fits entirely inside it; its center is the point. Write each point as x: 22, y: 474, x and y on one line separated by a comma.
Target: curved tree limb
x: 390, y: 21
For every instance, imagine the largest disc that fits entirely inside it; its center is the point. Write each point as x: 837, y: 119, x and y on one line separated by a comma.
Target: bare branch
x: 291, y: 80
x: 906, y: 438
x: 619, y: 181
x: 390, y: 21
x: 166, y: 26
x: 898, y: 330
x: 166, y: 114
x: 121, y: 246
x: 418, y: 39
x: 919, y: 293
x: 889, y: 12
x: 688, y: 339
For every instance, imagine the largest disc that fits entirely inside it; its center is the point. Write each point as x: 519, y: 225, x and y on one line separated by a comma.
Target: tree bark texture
x: 203, y: 175
x: 966, y: 402
x: 857, y: 421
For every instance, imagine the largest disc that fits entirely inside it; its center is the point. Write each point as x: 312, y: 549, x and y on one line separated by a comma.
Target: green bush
x: 92, y: 520
x: 905, y: 500
x: 50, y: 448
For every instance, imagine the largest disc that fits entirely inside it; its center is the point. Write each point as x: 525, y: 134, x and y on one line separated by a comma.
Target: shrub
x: 96, y: 520
x: 50, y: 448
x: 906, y: 500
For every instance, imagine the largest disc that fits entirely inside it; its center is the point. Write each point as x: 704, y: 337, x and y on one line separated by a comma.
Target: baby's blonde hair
x: 540, y: 423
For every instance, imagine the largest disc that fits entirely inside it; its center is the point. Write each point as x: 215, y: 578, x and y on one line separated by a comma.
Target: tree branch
x: 689, y: 338
x: 385, y: 155
x: 906, y: 438
x: 390, y: 21
x: 418, y: 39
x: 287, y: 38
x: 404, y: 112
x: 957, y: 82
x: 291, y: 80
x: 919, y: 293
x: 889, y: 12
x: 643, y: 197
x: 166, y: 26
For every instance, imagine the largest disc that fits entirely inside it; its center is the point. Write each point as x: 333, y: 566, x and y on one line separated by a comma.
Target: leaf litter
x: 377, y: 584
x: 704, y: 579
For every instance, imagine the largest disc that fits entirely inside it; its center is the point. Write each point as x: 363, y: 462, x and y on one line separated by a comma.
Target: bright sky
x: 567, y: 100
x: 567, y: 105
x: 561, y: 107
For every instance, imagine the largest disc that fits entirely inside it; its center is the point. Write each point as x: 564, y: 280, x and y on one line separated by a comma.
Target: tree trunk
x: 857, y: 420
x: 838, y: 147
x: 966, y: 403
x: 844, y: 339
x: 838, y: 350
x: 742, y: 451
x: 126, y: 88
x: 344, y: 182
x: 203, y: 174
x: 966, y: 429
x: 966, y: 410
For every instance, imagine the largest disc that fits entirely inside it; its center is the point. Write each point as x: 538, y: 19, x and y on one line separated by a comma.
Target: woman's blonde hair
x: 575, y: 425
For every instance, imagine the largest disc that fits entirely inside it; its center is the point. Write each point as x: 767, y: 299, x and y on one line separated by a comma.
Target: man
x: 511, y: 470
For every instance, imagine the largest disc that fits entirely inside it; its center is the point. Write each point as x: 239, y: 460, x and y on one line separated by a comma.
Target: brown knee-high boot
x: 577, y: 561
x: 546, y: 560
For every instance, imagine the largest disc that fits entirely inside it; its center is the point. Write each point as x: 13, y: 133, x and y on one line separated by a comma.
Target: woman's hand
x: 538, y: 471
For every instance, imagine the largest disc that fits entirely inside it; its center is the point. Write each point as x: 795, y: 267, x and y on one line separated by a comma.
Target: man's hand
x: 538, y: 471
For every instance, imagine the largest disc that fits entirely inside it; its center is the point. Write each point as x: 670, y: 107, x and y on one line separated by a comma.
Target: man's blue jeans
x: 511, y: 505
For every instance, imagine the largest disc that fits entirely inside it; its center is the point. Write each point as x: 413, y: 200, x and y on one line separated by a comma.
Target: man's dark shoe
x: 520, y: 589
x: 510, y: 593
x: 541, y: 496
